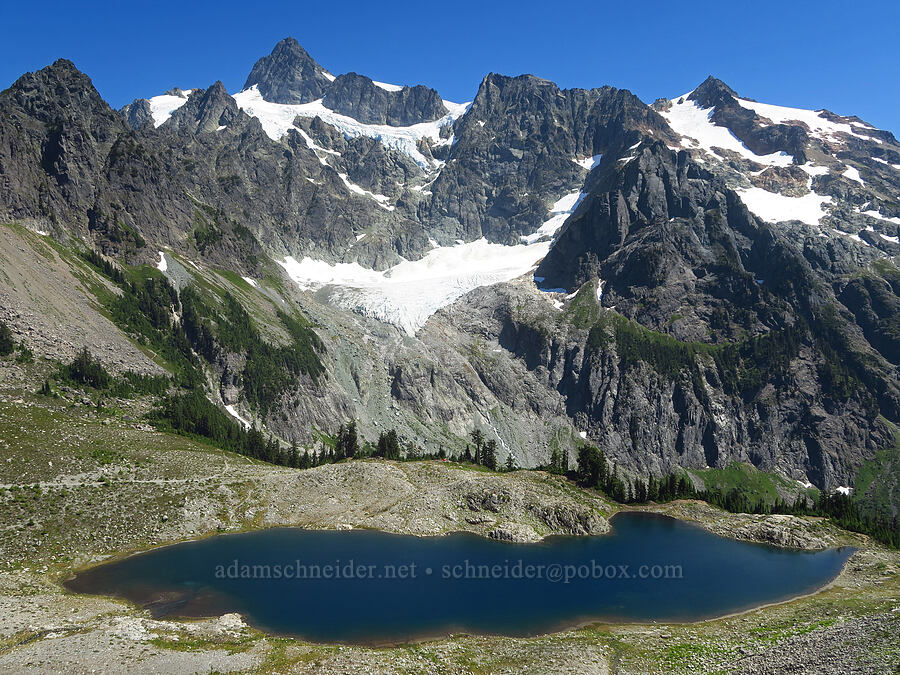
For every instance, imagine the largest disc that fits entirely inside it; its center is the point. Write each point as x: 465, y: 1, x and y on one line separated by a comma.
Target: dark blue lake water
x: 367, y: 586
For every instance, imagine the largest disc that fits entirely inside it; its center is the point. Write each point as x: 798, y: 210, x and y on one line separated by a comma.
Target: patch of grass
x: 584, y: 309
x: 234, y: 279
x: 743, y: 476
x: 187, y: 644
x: 877, y: 483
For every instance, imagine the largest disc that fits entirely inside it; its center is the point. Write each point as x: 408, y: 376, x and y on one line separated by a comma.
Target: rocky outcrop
x: 654, y: 403
x: 68, y: 158
x: 206, y: 111
x: 515, y: 154
x: 566, y: 518
x: 137, y: 113
x: 360, y: 98
x: 55, y: 134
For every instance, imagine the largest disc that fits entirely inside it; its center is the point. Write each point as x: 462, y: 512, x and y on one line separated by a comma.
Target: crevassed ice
x: 408, y: 293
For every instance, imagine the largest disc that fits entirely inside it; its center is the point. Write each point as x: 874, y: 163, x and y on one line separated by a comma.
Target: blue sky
x: 837, y: 55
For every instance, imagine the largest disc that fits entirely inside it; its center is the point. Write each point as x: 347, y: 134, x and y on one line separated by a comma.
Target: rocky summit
x: 689, y: 284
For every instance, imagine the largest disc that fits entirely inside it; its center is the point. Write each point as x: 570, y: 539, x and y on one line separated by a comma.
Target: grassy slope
x: 759, y: 484
x: 877, y: 485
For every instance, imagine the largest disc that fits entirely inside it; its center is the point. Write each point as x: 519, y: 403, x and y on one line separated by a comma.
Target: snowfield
x: 774, y: 208
x: 693, y: 122
x: 234, y: 413
x: 818, y: 125
x: 408, y: 293
x: 278, y: 118
x: 162, y: 107
x: 559, y: 212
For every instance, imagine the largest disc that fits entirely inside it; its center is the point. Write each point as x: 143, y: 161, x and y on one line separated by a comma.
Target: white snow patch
x: 162, y: 106
x: 583, y: 434
x: 411, y: 291
x: 382, y: 200
x: 693, y: 122
x: 250, y: 281
x: 312, y: 145
x: 813, y: 119
x: 559, y: 212
x: 387, y: 87
x: 852, y: 173
x: 887, y: 163
x: 600, y: 290
x: 844, y: 490
x: 877, y: 214
x: 162, y: 265
x: 234, y: 413
x: 278, y: 118
x: 775, y: 208
x: 328, y: 76
x: 588, y: 162
x: 813, y: 170
x: 853, y: 236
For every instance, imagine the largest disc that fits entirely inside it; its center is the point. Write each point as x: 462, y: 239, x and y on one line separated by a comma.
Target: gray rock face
x: 288, y: 75
x: 137, y: 113
x: 55, y: 135
x: 515, y: 154
x: 206, y: 111
x: 69, y: 158
x: 653, y: 420
x: 358, y: 97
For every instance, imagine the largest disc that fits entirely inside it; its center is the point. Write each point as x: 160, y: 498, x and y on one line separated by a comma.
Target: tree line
x: 594, y: 471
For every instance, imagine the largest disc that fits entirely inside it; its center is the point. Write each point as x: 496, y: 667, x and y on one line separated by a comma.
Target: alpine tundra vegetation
x: 330, y: 302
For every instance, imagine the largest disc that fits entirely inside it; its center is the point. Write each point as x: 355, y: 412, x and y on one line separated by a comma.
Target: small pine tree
x: 478, y: 440
x: 510, y: 463
x: 389, y: 445
x: 7, y: 343
x: 489, y: 455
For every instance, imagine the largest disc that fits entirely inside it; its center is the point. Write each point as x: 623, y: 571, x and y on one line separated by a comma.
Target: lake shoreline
x: 631, y: 543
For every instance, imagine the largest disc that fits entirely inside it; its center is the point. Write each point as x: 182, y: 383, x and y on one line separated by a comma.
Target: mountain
x: 289, y: 75
x: 715, y: 279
